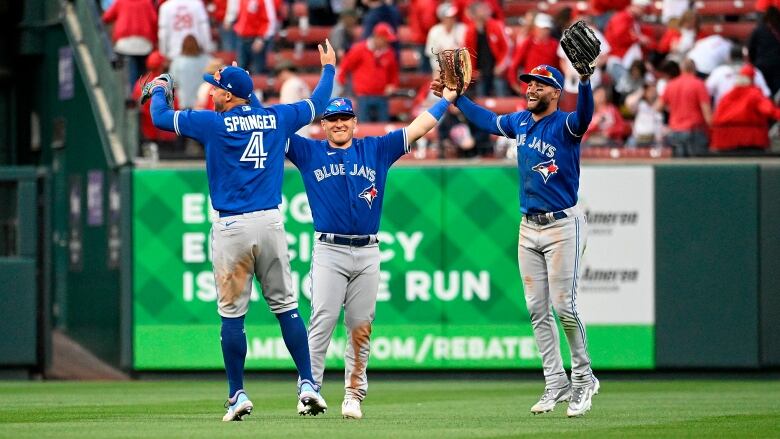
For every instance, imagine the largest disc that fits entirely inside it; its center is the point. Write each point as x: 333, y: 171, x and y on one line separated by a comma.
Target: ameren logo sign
x: 422, y: 286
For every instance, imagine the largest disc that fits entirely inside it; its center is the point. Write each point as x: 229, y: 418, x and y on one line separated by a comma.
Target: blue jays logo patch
x: 369, y: 194
x: 546, y: 169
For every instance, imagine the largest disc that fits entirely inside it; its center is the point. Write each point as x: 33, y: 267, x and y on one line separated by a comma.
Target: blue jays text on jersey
x: 345, y: 186
x: 244, y: 146
x: 548, y: 150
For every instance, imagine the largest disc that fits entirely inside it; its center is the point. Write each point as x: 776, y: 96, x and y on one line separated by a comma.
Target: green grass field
x: 394, y: 409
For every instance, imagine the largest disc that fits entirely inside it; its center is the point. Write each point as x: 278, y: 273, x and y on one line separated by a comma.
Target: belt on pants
x: 545, y: 218
x: 352, y: 241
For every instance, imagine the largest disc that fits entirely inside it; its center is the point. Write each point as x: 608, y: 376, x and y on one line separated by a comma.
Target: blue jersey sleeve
x: 293, y: 117
x: 577, y: 123
x: 298, y: 151
x: 392, y: 146
x: 484, y: 119
x: 188, y: 123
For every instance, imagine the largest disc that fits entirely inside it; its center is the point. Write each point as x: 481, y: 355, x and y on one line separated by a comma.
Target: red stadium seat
x: 502, y: 105
x: 410, y: 59
x: 405, y: 35
x: 518, y: 8
x: 724, y: 7
x: 625, y: 153
x: 308, y: 59
x: 300, y: 9
x: 400, y: 107
x: 414, y: 80
x: 227, y: 56
x: 739, y: 30
x: 310, y: 35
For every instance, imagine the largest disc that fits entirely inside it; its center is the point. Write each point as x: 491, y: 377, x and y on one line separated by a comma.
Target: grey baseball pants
x: 549, y: 257
x: 348, y: 277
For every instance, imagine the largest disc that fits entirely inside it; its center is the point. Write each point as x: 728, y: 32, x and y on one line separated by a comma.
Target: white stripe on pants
x: 349, y: 277
x: 549, y: 258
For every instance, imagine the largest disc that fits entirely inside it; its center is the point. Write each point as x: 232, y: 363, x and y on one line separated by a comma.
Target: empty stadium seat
x: 300, y: 9
x: 306, y: 59
x: 309, y: 35
x: 724, y: 7
x: 739, y: 30
x: 502, y: 105
x: 410, y: 59
x: 414, y: 80
x: 400, y: 107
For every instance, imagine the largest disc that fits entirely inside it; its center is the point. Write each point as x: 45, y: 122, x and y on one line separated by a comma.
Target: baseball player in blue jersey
x: 245, y: 146
x: 345, y: 183
x: 553, y: 229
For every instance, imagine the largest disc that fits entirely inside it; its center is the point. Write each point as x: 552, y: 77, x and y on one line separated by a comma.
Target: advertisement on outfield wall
x: 450, y: 294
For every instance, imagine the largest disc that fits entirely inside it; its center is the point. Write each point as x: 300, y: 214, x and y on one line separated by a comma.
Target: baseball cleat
x: 550, y: 398
x: 350, y: 409
x: 310, y: 402
x: 237, y: 407
x: 581, y: 399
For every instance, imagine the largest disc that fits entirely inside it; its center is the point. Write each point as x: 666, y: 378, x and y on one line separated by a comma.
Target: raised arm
x: 321, y: 94
x: 484, y: 119
x: 162, y: 114
x: 428, y: 119
x: 578, y: 122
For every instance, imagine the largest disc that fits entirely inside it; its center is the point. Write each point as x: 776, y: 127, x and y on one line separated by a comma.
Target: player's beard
x: 542, y: 104
x: 218, y: 106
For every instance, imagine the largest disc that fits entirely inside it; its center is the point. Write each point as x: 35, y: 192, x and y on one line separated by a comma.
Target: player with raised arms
x: 245, y: 145
x: 345, y: 180
x: 553, y: 229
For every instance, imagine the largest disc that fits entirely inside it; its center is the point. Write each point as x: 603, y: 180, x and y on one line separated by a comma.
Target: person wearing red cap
x: 166, y: 141
x: 741, y: 121
x: 374, y: 73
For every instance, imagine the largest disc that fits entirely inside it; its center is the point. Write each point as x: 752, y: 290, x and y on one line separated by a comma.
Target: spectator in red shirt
x: 603, y: 9
x: 135, y: 33
x: 762, y: 5
x: 680, y: 35
x: 496, y: 11
x: 625, y: 38
x: 421, y: 19
x: 539, y: 49
x: 255, y: 26
x: 374, y: 72
x: 607, y: 128
x: 487, y: 42
x: 741, y: 120
x: 155, y: 66
x: 688, y: 103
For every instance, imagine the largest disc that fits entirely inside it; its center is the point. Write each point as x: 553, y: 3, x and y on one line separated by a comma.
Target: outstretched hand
x: 449, y: 94
x: 327, y: 54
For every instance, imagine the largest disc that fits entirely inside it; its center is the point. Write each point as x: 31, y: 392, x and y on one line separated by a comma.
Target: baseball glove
x: 165, y: 81
x: 454, y: 69
x: 582, y: 47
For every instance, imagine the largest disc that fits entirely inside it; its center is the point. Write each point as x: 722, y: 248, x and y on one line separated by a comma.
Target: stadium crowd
x: 676, y: 77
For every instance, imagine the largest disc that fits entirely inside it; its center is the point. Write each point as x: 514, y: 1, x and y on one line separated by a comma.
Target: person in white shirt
x: 187, y: 68
x: 710, y: 52
x: 447, y: 34
x: 724, y: 77
x: 179, y: 18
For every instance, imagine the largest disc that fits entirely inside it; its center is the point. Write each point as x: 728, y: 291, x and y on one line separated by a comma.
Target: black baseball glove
x: 165, y: 81
x: 582, y: 47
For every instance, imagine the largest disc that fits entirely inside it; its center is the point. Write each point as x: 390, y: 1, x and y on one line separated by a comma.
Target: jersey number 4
x: 255, y: 152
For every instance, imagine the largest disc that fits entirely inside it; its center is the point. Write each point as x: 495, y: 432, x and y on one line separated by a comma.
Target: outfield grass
x: 394, y: 409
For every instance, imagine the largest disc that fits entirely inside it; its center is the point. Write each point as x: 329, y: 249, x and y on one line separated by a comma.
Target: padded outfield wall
x: 450, y: 294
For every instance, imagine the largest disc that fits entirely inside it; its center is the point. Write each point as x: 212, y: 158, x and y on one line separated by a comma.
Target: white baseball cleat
x: 550, y: 398
x: 350, y: 409
x: 581, y: 399
x: 237, y: 407
x: 310, y: 402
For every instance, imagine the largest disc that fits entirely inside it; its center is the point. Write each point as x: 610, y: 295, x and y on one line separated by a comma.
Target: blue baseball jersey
x: 244, y: 150
x: 548, y: 150
x: 346, y: 186
x: 548, y: 160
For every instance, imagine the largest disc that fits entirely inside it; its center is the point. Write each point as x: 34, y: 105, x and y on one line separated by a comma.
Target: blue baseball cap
x: 338, y: 106
x: 546, y: 74
x: 233, y: 79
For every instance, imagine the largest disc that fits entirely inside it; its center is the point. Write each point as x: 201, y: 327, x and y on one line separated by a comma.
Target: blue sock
x: 294, y: 335
x: 234, y: 351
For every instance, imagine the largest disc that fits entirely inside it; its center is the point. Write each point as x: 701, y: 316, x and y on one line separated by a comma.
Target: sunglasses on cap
x: 339, y: 118
x: 542, y: 71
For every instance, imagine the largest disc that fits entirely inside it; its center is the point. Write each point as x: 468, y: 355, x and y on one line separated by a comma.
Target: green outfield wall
x: 450, y: 294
